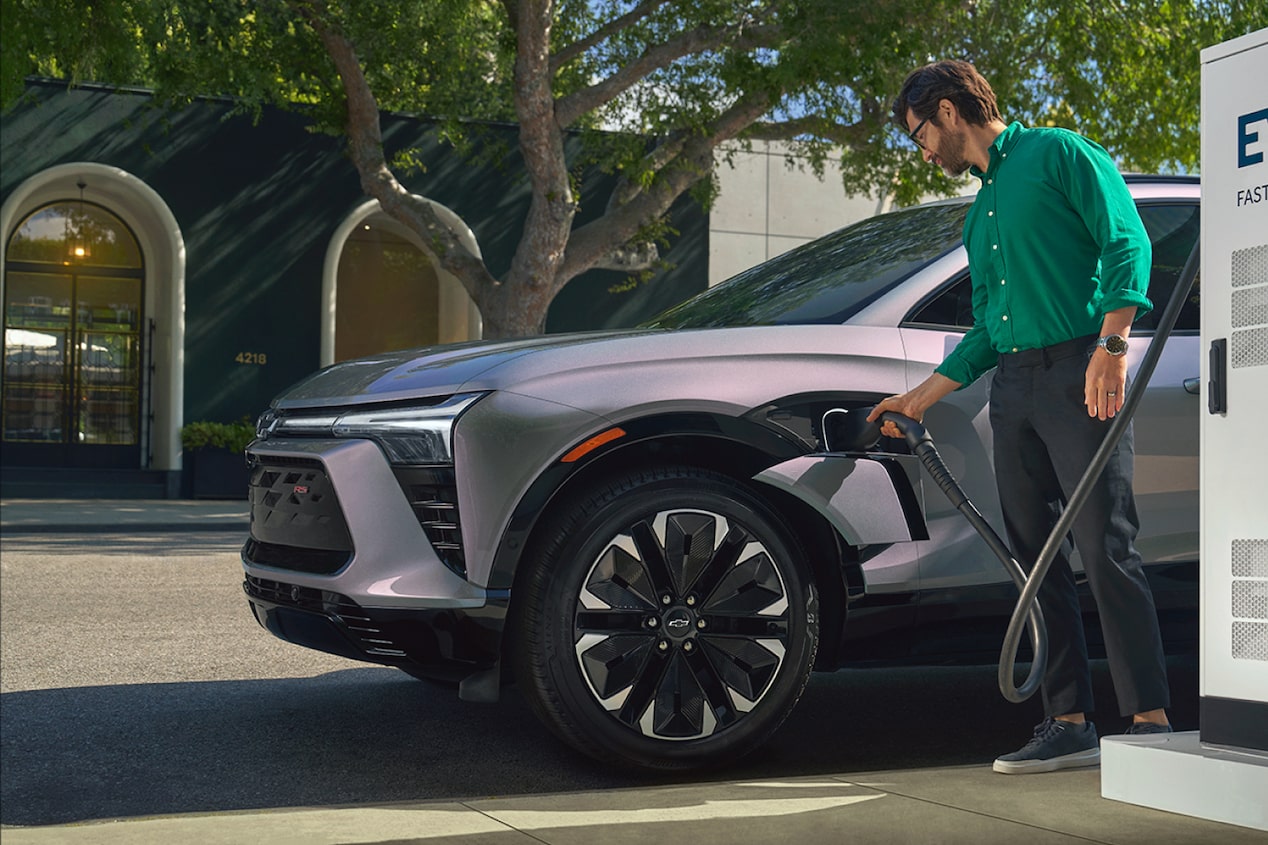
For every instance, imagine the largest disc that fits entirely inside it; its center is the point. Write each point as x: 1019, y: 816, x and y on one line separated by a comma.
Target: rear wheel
x: 666, y: 620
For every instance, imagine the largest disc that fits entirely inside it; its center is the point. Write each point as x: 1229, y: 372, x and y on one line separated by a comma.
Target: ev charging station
x: 1220, y: 772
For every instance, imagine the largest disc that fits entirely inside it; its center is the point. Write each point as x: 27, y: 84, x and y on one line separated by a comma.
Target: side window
x: 1173, y: 229
x: 950, y: 309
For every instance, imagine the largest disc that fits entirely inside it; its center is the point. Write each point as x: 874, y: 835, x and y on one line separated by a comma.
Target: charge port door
x: 867, y: 497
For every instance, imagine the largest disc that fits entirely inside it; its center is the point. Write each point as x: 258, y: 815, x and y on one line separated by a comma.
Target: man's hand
x: 1105, y: 385
x: 914, y: 402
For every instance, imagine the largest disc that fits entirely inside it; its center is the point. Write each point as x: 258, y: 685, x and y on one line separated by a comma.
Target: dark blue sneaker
x: 1055, y: 745
x: 1141, y: 728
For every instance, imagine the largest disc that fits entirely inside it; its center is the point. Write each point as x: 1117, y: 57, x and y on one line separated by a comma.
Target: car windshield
x: 829, y: 279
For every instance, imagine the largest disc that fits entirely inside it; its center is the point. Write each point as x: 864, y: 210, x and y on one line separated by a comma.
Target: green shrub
x: 203, y: 434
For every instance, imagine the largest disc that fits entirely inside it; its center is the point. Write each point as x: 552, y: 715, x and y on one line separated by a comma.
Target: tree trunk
x: 520, y: 303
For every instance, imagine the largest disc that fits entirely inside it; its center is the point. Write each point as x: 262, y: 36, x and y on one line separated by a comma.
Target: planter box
x: 216, y: 474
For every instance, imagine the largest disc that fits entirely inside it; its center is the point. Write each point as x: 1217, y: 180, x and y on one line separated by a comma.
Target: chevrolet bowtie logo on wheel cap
x: 678, y: 622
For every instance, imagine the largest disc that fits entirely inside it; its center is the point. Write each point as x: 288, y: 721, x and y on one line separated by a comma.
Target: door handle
x: 1193, y: 385
x: 1217, y: 389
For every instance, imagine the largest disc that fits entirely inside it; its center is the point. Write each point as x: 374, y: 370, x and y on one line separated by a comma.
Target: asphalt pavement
x: 958, y: 804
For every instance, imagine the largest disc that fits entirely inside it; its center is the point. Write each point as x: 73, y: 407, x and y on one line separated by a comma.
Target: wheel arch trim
x: 726, y: 431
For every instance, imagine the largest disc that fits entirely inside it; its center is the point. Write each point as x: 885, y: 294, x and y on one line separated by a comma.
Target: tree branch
x: 603, y: 33
x: 664, y: 152
x: 365, y: 148
x: 699, y: 40
x: 591, y: 243
x: 845, y: 134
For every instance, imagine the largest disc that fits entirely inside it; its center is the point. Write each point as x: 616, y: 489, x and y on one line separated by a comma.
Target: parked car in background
x: 590, y: 516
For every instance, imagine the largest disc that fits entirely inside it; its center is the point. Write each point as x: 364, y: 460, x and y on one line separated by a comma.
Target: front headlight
x: 410, y: 435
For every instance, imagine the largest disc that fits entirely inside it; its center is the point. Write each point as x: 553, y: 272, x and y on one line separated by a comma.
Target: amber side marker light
x: 592, y: 444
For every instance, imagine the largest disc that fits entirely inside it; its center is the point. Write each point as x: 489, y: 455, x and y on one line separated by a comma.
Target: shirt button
x: 1002, y: 281
x: 1015, y: 349
x: 990, y: 214
x: 994, y: 246
x: 1005, y: 316
x: 990, y: 181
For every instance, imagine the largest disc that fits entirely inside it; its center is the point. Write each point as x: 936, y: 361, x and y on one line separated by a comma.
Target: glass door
x: 72, y: 341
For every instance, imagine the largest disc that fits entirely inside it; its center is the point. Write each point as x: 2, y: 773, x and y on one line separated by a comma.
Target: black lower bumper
x: 448, y: 644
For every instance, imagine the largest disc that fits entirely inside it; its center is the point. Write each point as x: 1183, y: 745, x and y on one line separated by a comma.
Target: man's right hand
x: 913, y: 403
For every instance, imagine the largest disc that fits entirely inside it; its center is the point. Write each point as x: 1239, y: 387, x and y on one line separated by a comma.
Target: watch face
x: 1114, y: 344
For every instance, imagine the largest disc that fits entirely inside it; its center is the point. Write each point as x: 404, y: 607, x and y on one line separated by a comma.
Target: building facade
x: 164, y: 266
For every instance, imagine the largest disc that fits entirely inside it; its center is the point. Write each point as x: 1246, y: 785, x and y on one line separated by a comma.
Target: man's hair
x: 952, y: 80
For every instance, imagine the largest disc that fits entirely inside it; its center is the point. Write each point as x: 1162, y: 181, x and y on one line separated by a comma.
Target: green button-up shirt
x: 1054, y: 241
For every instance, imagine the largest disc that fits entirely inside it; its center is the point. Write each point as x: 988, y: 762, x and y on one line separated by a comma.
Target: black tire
x: 665, y: 661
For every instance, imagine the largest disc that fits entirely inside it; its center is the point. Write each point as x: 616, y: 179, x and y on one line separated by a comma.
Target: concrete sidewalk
x: 27, y: 516
x: 970, y: 805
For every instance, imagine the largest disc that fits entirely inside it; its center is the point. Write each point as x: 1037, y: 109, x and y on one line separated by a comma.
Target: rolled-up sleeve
x: 971, y: 357
x: 1099, y: 195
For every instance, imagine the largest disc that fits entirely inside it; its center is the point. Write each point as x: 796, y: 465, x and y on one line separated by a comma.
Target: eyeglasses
x: 913, y: 133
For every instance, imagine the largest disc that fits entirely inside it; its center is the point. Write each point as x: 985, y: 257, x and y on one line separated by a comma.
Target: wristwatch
x: 1114, y: 344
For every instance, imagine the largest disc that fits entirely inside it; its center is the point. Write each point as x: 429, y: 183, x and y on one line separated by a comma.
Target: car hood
x: 602, y: 370
x: 430, y: 371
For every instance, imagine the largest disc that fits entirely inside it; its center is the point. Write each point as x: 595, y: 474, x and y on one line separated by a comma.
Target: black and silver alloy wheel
x: 678, y: 629
x: 682, y: 624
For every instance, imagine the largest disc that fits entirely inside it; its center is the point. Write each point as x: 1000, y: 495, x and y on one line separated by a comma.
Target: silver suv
x: 646, y: 530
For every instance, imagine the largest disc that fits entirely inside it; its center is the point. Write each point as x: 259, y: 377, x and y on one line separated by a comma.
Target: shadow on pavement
x: 373, y: 735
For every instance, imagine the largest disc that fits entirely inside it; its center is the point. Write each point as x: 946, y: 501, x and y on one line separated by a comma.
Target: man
x: 1060, y: 264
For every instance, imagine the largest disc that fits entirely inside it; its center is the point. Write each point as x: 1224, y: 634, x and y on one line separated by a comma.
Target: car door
x: 955, y: 559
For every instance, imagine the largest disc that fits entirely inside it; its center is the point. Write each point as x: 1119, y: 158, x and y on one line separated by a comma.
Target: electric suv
x: 645, y: 529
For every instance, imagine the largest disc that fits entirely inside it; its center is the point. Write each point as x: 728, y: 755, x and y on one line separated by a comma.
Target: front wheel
x: 666, y: 620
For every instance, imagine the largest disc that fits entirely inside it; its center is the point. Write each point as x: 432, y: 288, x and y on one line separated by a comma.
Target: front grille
x: 432, y: 493
x: 315, y: 561
x: 296, y: 521
x: 284, y: 461
x: 370, y: 637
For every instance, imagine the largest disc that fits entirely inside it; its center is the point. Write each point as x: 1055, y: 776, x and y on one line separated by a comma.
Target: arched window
x: 391, y: 295
x: 74, y: 233
x: 72, y: 338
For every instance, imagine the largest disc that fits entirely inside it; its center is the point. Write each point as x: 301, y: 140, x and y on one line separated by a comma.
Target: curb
x: 122, y: 527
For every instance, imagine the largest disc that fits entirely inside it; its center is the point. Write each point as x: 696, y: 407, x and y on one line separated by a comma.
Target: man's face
x: 940, y: 144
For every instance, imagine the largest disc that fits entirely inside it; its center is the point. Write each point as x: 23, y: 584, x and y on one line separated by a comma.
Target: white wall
x: 766, y: 208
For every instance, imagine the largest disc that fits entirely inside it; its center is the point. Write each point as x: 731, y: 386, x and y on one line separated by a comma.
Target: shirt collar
x: 1003, y: 144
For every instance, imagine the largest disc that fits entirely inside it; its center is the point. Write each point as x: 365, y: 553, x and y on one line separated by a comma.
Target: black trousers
x: 1044, y: 441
